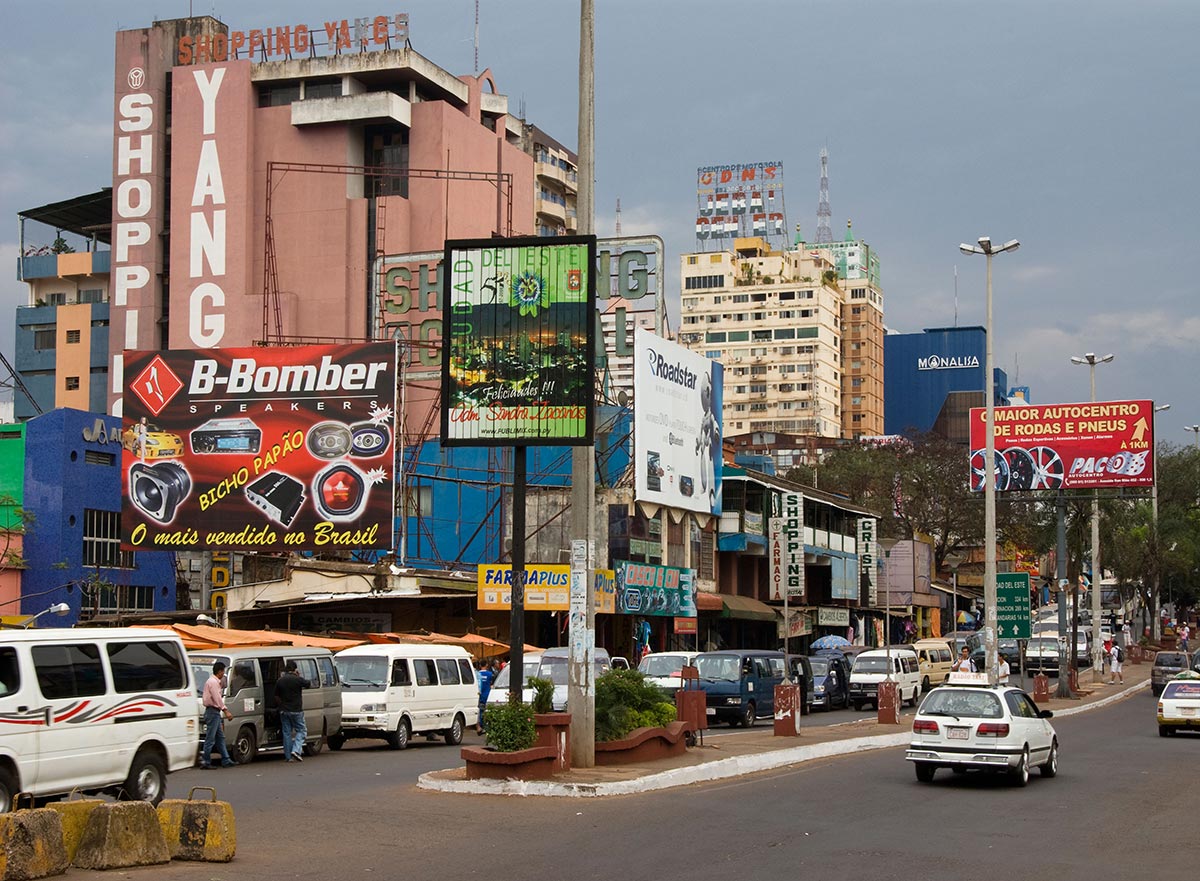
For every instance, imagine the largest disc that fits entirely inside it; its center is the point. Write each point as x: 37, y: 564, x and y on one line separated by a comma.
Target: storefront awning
x: 965, y: 591
x: 708, y: 602
x: 746, y: 608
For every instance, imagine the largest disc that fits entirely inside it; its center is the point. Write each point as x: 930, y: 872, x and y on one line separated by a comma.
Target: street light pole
x: 1195, y: 430
x: 989, y: 464
x: 1091, y: 361
x: 1157, y: 573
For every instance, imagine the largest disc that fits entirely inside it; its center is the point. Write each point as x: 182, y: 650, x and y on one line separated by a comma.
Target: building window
x: 703, y: 282
x: 692, y: 260
x: 313, y: 91
x: 807, y: 332
x: 58, y: 298
x: 45, y: 338
x: 91, y: 295
x: 72, y: 336
x: 95, y: 457
x: 72, y: 383
x: 277, y: 96
x: 102, y: 541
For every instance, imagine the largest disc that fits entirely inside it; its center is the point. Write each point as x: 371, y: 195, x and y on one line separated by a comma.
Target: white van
x: 96, y: 710
x: 549, y: 664
x: 870, y: 668
x: 665, y: 669
x: 396, y: 690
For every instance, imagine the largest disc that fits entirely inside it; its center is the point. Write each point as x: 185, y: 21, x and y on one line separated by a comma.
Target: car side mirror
x: 1045, y: 714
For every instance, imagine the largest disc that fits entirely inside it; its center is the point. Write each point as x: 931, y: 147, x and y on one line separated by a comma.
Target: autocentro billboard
x: 1066, y: 446
x: 518, y: 360
x: 259, y: 448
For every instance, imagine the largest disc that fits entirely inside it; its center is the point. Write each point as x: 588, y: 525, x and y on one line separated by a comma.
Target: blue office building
x: 72, y: 546
x: 934, y: 378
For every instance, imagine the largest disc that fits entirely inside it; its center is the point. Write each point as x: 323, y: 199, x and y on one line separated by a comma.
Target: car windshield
x: 727, y: 668
x: 362, y: 672
x: 962, y: 702
x: 820, y: 666
x: 1182, y: 690
x: 870, y: 665
x: 202, y: 668
x: 531, y: 669
x: 661, y: 665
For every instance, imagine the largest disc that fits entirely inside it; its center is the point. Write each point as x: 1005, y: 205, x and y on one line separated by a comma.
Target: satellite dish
x: 623, y: 398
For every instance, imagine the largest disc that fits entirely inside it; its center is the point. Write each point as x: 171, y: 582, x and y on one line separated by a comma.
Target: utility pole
x: 581, y: 671
x: 1064, y: 687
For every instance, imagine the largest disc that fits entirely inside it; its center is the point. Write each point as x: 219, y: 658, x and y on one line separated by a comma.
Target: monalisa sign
x: 947, y: 362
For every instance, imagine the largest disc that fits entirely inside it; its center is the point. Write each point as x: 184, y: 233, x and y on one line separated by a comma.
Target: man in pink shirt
x: 214, y: 709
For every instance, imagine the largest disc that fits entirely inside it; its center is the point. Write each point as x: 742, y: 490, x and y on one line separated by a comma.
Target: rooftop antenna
x: 476, y: 37
x: 956, y: 295
x: 824, y: 232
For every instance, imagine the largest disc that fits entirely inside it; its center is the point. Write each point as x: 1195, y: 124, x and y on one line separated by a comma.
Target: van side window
x: 307, y: 668
x: 241, y: 677
x: 762, y: 668
x: 425, y: 674
x: 10, y: 673
x: 145, y: 666
x: 328, y: 671
x: 400, y: 672
x: 944, y: 656
x: 68, y: 670
x: 465, y: 671
x: 448, y: 671
x: 776, y: 665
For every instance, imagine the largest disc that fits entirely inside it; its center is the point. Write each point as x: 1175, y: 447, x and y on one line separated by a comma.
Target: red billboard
x: 259, y: 448
x: 1066, y: 446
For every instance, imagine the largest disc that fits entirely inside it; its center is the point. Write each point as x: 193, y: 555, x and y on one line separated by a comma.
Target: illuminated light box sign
x: 259, y: 448
x: 1066, y: 446
x: 547, y: 587
x: 649, y: 589
x: 519, y: 353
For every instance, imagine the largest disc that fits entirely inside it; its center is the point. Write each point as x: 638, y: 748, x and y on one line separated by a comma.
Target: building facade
x: 934, y: 378
x: 557, y: 183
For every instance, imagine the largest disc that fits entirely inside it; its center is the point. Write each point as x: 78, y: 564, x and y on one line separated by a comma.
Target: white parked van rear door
x: 21, y: 724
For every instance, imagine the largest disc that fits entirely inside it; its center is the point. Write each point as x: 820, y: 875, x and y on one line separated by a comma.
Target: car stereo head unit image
x: 227, y: 436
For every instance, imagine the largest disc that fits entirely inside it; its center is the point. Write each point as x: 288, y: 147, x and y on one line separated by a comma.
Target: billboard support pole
x: 1064, y: 685
x: 516, y: 628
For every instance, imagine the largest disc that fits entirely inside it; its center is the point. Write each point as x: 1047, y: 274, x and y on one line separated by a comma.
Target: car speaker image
x: 158, y: 490
x: 329, y: 440
x: 339, y: 491
x: 370, y: 439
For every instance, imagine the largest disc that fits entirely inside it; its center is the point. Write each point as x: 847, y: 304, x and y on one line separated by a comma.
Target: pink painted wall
x: 10, y: 578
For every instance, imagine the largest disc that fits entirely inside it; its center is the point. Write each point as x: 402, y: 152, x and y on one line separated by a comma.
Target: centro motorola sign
x: 259, y: 449
x: 1066, y: 446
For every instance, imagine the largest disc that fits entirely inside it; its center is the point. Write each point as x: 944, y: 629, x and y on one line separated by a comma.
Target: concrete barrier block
x: 198, y: 830
x: 74, y: 814
x: 120, y: 835
x: 31, y: 845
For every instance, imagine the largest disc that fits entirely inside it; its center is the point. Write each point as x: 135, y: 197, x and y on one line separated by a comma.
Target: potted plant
x: 512, y: 750
x: 553, y: 729
x: 634, y: 720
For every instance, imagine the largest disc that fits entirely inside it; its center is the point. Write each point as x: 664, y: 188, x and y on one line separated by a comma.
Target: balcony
x: 367, y: 107
x: 64, y: 265
x: 551, y: 209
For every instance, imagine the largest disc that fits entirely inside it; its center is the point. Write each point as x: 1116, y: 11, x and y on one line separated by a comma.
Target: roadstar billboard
x: 1067, y: 446
x: 260, y: 448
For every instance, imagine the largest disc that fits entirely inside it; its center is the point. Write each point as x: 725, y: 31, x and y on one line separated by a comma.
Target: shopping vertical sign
x: 787, y: 547
x: 1013, y: 617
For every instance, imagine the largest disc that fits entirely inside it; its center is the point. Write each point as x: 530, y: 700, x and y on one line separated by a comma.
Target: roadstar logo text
x: 944, y: 362
x: 675, y: 373
x: 246, y: 376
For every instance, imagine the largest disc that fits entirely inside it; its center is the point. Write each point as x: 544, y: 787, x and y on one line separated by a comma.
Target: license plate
x: 958, y: 733
x: 711, y: 711
x: 1187, y: 711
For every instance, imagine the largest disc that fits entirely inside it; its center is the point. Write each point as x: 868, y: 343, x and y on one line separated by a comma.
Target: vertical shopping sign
x: 517, y: 365
x: 787, y: 547
x: 1013, y: 615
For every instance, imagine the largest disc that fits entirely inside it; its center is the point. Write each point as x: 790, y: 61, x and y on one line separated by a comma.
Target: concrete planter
x: 535, y: 763
x: 554, y: 731
x: 644, y: 745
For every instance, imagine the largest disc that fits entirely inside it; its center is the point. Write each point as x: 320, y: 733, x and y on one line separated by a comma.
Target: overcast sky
x: 1072, y: 126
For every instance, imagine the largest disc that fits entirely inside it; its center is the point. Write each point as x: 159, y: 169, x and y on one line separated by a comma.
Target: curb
x: 721, y: 769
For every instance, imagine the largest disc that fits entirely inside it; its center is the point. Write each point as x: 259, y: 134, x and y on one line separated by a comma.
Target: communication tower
x: 824, y: 231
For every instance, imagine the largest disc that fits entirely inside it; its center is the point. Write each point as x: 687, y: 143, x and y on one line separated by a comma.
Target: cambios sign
x: 259, y: 449
x: 1067, y: 446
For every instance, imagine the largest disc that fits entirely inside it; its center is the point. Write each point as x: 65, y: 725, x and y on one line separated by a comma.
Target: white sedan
x: 1179, y: 706
x: 982, y: 727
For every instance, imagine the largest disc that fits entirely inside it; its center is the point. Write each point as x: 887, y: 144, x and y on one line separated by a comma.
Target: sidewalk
x: 727, y: 753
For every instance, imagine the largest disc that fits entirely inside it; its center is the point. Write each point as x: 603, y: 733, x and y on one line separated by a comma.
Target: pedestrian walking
x: 484, y: 676
x: 1115, y: 657
x: 1184, y: 633
x: 963, y: 663
x: 215, y: 710
x: 1004, y: 672
x: 1125, y: 635
x: 289, y: 697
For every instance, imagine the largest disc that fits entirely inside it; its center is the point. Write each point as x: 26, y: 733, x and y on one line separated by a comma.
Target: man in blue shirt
x: 483, y: 677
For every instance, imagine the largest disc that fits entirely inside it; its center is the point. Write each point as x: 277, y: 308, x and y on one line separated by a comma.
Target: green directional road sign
x: 1013, y: 619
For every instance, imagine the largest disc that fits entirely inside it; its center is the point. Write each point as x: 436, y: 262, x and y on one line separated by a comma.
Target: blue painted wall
x: 60, y: 484
x: 915, y: 396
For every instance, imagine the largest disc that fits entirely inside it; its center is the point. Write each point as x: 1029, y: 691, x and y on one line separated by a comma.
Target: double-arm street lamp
x: 1091, y: 360
x: 986, y: 248
x: 1195, y: 430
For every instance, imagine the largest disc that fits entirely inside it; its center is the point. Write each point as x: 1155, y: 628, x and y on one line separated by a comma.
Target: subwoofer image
x: 158, y: 490
x: 340, y: 492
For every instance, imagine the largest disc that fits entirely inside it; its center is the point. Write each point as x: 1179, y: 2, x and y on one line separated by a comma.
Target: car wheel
x: 398, y: 739
x: 1050, y: 768
x: 147, y: 780
x: 924, y: 771
x: 857, y: 706
x: 925, y: 684
x: 454, y: 733
x: 1020, y: 774
x: 336, y: 741
x: 8, y: 788
x: 748, y: 716
x: 245, y: 746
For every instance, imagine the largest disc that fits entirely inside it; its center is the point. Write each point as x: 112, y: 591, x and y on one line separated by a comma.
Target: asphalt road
x: 1117, y: 809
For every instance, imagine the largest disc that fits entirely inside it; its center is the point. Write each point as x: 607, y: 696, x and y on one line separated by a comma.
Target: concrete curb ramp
x: 121, y: 835
x: 706, y: 772
x: 31, y: 845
